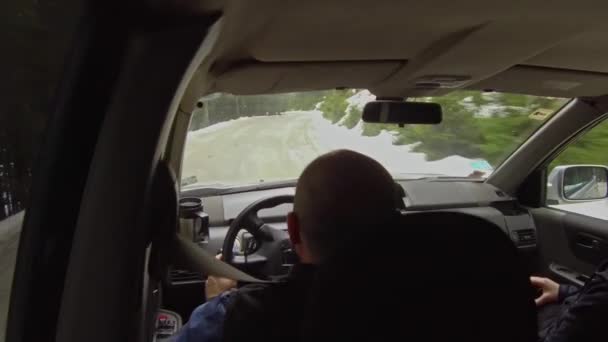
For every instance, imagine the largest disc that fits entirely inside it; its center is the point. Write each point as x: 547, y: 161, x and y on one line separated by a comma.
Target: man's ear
x: 293, y: 227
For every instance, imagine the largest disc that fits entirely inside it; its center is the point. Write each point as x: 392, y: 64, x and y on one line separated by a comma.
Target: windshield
x: 242, y: 140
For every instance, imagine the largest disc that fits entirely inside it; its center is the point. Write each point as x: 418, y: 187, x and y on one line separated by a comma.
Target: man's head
x: 339, y: 193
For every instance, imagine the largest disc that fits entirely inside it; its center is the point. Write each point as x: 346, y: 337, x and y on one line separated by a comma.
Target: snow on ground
x: 360, y: 99
x: 493, y: 109
x: 267, y: 148
x: 489, y: 109
x: 491, y: 95
x: 219, y: 126
x: 10, y: 230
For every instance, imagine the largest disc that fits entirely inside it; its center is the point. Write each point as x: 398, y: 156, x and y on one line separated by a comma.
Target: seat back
x: 431, y: 276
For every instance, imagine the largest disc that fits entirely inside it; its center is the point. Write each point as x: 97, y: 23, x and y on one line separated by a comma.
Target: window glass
x: 239, y: 140
x: 577, y: 178
x: 36, y: 37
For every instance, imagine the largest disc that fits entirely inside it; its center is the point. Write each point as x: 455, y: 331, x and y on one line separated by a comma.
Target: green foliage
x: 591, y: 148
x: 503, y: 134
x: 506, y: 130
x: 458, y: 133
x: 334, y: 105
x: 352, y: 118
x: 475, y: 124
x: 373, y: 129
x: 468, y: 131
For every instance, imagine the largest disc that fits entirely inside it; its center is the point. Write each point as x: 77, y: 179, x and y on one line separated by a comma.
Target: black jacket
x: 584, y: 313
x: 271, y: 312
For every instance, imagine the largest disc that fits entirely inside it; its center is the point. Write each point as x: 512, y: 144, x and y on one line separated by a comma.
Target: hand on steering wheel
x: 214, y: 286
x: 267, y: 256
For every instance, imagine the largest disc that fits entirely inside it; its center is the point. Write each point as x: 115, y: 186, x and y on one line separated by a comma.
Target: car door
x: 91, y: 69
x: 572, y: 223
x: 37, y: 40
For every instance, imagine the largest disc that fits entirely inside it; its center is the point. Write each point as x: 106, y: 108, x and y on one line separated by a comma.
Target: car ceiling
x: 395, y: 48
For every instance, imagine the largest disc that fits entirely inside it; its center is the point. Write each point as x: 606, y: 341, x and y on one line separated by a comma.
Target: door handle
x: 587, y: 246
x: 588, y: 242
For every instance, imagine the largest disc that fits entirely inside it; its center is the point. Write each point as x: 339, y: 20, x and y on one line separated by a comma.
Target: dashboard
x: 471, y: 197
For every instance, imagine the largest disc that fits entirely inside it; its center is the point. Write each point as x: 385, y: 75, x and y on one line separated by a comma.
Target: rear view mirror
x: 400, y: 112
x: 570, y: 183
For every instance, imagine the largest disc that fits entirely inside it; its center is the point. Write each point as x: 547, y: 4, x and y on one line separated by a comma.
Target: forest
x: 475, y: 124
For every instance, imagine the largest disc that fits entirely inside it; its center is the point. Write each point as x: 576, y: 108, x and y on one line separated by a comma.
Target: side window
x: 36, y: 38
x: 577, y: 179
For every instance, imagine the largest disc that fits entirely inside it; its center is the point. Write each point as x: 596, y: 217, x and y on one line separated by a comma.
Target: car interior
x: 114, y: 248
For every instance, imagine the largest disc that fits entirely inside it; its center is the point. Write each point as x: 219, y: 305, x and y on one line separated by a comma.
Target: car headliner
x: 391, y: 47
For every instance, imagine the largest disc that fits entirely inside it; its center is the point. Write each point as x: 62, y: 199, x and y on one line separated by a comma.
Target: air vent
x: 184, y: 276
x: 525, y: 237
x: 499, y: 193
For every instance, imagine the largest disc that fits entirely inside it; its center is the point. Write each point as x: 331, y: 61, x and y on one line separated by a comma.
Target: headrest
x: 430, y: 276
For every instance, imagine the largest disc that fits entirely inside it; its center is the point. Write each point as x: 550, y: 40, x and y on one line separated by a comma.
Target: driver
x: 339, y: 193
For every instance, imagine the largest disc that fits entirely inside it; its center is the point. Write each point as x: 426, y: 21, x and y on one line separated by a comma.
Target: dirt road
x: 275, y: 147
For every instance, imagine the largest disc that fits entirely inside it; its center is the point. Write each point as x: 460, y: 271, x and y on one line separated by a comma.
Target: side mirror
x: 572, y: 183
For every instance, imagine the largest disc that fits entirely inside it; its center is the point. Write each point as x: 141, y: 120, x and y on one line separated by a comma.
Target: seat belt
x: 168, y: 243
x: 205, y: 263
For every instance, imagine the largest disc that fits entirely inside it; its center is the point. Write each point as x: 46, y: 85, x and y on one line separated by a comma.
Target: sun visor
x: 543, y: 81
x: 256, y: 78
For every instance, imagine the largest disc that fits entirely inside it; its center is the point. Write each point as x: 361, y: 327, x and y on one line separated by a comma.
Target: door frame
x: 570, y: 122
x: 80, y: 265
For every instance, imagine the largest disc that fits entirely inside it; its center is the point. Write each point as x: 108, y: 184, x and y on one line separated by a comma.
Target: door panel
x: 572, y: 225
x: 587, y: 237
x: 570, y: 245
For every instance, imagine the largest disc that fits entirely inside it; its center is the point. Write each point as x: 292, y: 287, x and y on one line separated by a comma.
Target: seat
x: 429, y: 276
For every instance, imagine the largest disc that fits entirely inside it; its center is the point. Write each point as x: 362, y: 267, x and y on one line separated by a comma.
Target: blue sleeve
x: 206, y: 322
x: 566, y: 290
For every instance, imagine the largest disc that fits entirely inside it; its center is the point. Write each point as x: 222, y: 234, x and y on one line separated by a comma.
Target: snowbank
x: 219, y: 126
x: 252, y: 149
x: 489, y: 109
x: 398, y: 159
x: 360, y: 99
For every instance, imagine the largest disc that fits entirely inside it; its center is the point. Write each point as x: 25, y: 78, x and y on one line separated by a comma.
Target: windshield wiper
x: 405, y: 176
x: 453, y: 178
x: 218, y: 189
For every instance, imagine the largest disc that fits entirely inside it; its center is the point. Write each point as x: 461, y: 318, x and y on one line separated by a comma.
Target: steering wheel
x: 266, y: 248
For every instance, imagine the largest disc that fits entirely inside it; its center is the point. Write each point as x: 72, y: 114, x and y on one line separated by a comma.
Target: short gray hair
x: 342, y: 193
